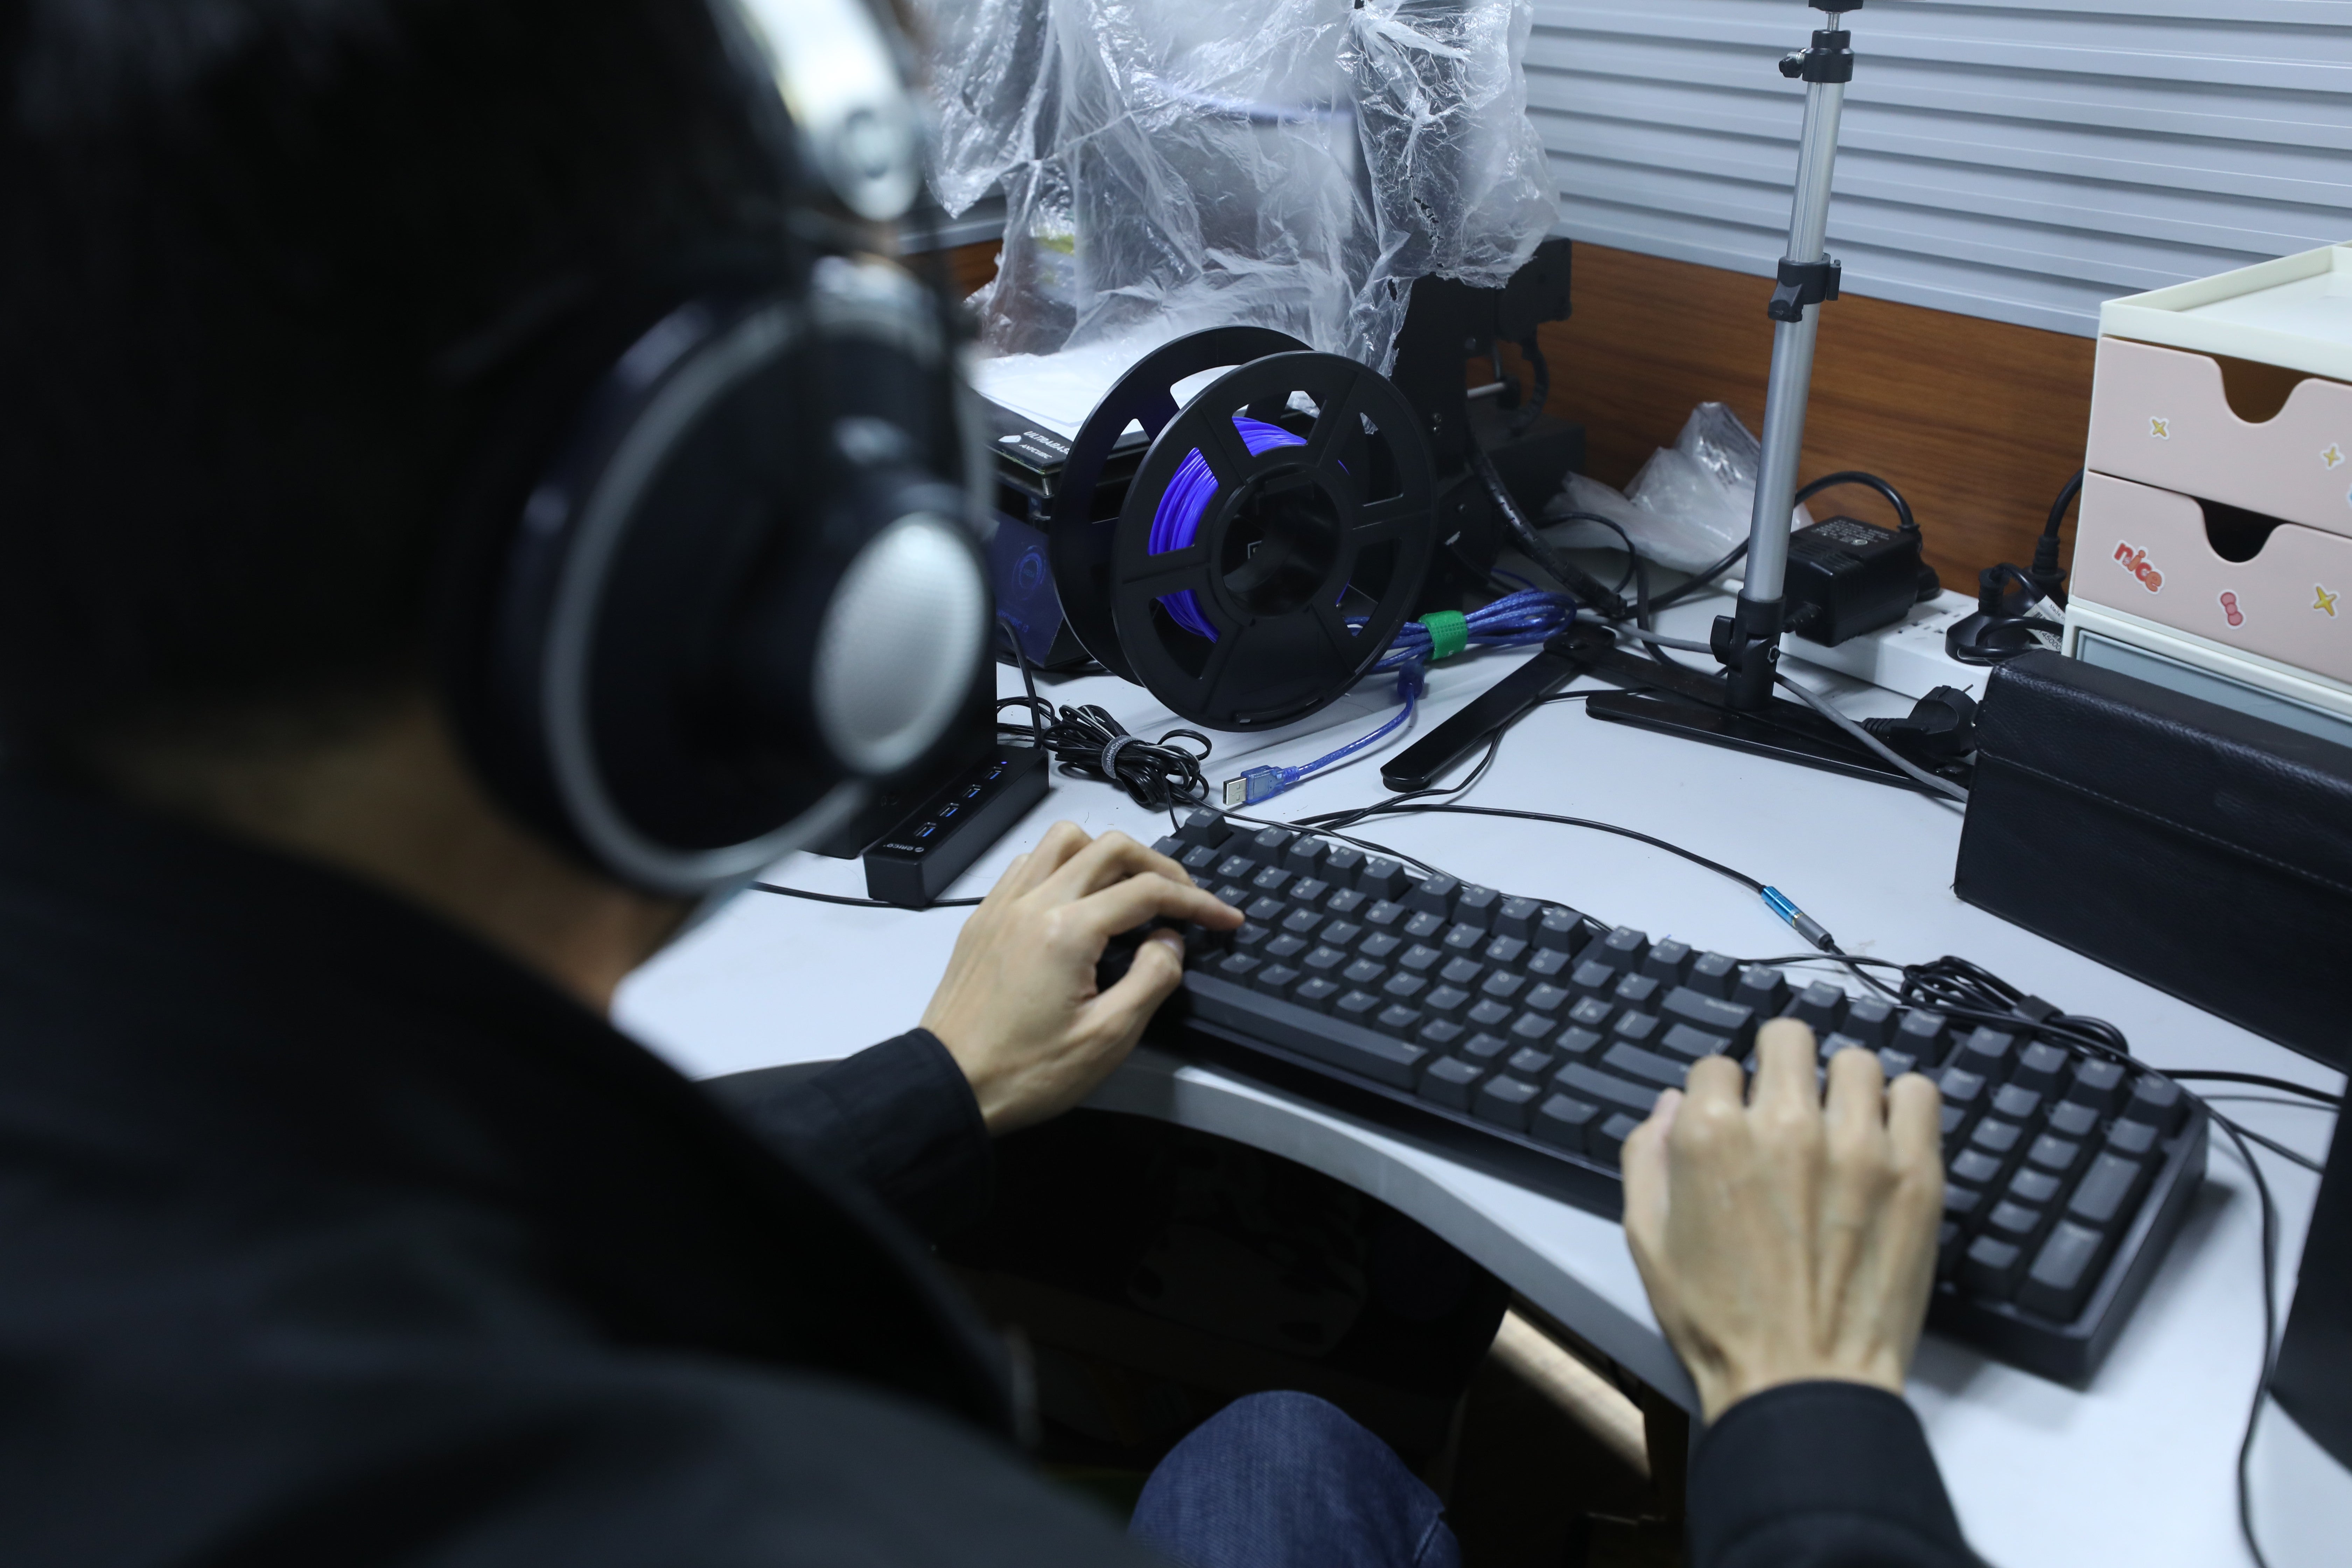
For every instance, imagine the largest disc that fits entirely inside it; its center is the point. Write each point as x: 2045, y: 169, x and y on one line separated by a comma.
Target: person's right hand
x: 1019, y: 1008
x: 1778, y: 1243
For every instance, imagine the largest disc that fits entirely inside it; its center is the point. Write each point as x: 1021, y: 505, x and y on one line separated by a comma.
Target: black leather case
x: 2205, y: 852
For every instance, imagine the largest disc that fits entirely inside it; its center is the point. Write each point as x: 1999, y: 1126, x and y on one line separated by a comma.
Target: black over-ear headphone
x: 745, y: 581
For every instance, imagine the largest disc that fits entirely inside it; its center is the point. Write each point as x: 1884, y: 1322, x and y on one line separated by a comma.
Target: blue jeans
x: 1283, y: 1481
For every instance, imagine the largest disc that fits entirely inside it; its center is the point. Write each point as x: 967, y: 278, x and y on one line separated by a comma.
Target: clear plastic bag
x: 1173, y: 164
x: 1692, y: 501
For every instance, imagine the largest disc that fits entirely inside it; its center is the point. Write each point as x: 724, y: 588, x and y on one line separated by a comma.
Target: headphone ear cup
x: 671, y: 674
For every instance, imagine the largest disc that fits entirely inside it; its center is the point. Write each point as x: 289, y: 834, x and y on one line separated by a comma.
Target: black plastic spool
x: 1298, y: 541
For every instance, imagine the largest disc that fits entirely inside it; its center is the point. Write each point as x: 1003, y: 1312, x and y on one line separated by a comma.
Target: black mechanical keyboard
x: 1531, y: 1039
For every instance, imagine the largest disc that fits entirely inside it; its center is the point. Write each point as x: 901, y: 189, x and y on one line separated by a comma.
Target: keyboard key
x: 1504, y: 950
x: 1341, y: 933
x: 1923, y: 1034
x: 1433, y: 895
x: 2013, y: 1223
x: 1250, y: 936
x: 1766, y: 990
x: 1736, y: 1021
x: 1383, y: 915
x: 1548, y: 963
x: 1397, y: 1019
x: 1271, y: 880
x: 1199, y: 860
x: 1820, y: 1005
x: 2158, y: 1103
x: 1502, y: 984
x: 1236, y: 868
x: 1489, y: 1013
x: 1607, y: 1142
x: 1234, y: 966
x: 1529, y: 1062
x: 1268, y: 843
x: 1475, y: 905
x: 1960, y: 1204
x: 1991, y: 1267
x: 2039, y: 1066
x: 1438, y: 1034
x: 1562, y: 1121
x: 2069, y: 1120
x: 1275, y: 977
x: 1622, y: 950
x: 1448, y: 1081
x: 1606, y: 1089
x: 2064, y: 1272
x: 1356, y: 1006
x: 2108, y: 1190
x: 1317, y: 992
x: 1299, y: 922
x: 1506, y: 1101
x: 1576, y: 1042
x: 1975, y: 1168
x: 2133, y: 1139
x: 1955, y: 1119
x: 1460, y: 937
x: 1635, y: 1028
x: 1321, y: 961
x: 1645, y: 1066
x: 1284, y: 949
x: 1487, y: 1050
x: 1304, y: 857
x: 1668, y: 962
x: 1713, y: 974
x: 1691, y: 1044
x: 1381, y: 878
x: 1205, y: 829
x: 1447, y: 1001
x: 1894, y: 1063
x: 1995, y: 1137
x: 1517, y: 918
x: 1948, y: 1250
x: 2035, y: 1189
x: 1533, y: 1027
x: 2054, y: 1154
x: 1545, y: 999
x: 1306, y: 890
x: 1961, y: 1087
x: 1423, y: 926
x: 2016, y: 1102
x: 1342, y: 866
x: 1404, y: 987
x: 1832, y: 1044
x: 1419, y: 958
x: 1593, y: 978
x: 2097, y: 1084
x: 1872, y: 1020
x: 1635, y: 991
x: 1346, y: 901
x: 1364, y: 972
x: 1558, y: 929
x: 1266, y: 909
x: 1380, y: 947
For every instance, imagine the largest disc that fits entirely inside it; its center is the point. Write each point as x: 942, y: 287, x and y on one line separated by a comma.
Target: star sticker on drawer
x: 2333, y: 456
x: 2159, y: 428
x: 2327, y: 601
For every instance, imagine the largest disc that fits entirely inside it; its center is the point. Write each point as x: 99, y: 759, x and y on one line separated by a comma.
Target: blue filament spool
x: 1177, y: 523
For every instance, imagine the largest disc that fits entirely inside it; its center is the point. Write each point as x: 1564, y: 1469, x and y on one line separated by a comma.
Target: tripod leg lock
x: 1747, y: 643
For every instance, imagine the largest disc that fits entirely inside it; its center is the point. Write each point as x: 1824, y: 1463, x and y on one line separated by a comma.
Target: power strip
x: 915, y: 863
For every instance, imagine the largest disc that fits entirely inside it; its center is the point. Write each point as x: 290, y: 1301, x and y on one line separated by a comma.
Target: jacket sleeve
x: 899, y: 1117
x: 1821, y: 1475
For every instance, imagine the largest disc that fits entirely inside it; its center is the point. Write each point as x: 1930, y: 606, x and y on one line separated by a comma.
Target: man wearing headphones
x: 461, y: 502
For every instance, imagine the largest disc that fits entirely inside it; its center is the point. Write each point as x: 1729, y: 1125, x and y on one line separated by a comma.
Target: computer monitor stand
x: 2299, y: 1473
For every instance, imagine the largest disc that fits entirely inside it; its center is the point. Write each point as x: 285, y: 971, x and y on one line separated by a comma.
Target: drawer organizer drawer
x: 2147, y: 551
x: 2163, y: 417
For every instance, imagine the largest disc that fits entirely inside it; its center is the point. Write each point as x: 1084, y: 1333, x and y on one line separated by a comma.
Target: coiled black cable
x: 1089, y: 743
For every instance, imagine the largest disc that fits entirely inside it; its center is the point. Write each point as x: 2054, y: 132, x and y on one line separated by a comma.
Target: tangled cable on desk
x: 1087, y: 742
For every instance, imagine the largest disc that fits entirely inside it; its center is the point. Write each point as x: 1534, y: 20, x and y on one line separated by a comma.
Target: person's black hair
x: 269, y: 269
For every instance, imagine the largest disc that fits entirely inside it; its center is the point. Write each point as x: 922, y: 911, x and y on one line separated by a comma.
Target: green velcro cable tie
x: 1449, y: 634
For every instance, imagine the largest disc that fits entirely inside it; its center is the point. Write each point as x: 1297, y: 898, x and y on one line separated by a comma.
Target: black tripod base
x: 1786, y: 730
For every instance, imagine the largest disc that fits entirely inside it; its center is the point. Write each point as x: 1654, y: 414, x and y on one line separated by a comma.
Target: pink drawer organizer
x: 2159, y: 416
x: 2144, y: 551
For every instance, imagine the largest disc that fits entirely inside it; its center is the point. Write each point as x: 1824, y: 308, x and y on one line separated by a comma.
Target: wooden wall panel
x: 1978, y: 424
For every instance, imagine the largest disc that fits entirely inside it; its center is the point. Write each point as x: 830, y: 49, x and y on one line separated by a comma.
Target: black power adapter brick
x: 913, y: 863
x: 1846, y: 578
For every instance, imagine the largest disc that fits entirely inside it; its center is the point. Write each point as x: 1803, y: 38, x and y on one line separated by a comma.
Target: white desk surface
x: 2137, y: 1468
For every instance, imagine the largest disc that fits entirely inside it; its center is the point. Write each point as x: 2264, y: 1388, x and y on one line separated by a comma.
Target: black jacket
x: 329, y: 1236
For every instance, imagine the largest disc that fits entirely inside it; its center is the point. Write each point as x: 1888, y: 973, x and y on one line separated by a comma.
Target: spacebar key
x: 1300, y: 1030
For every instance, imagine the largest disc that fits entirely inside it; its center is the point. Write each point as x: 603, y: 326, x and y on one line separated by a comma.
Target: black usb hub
x: 913, y: 863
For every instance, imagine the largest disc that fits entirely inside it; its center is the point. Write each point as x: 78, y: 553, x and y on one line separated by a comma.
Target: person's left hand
x: 1019, y: 1009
